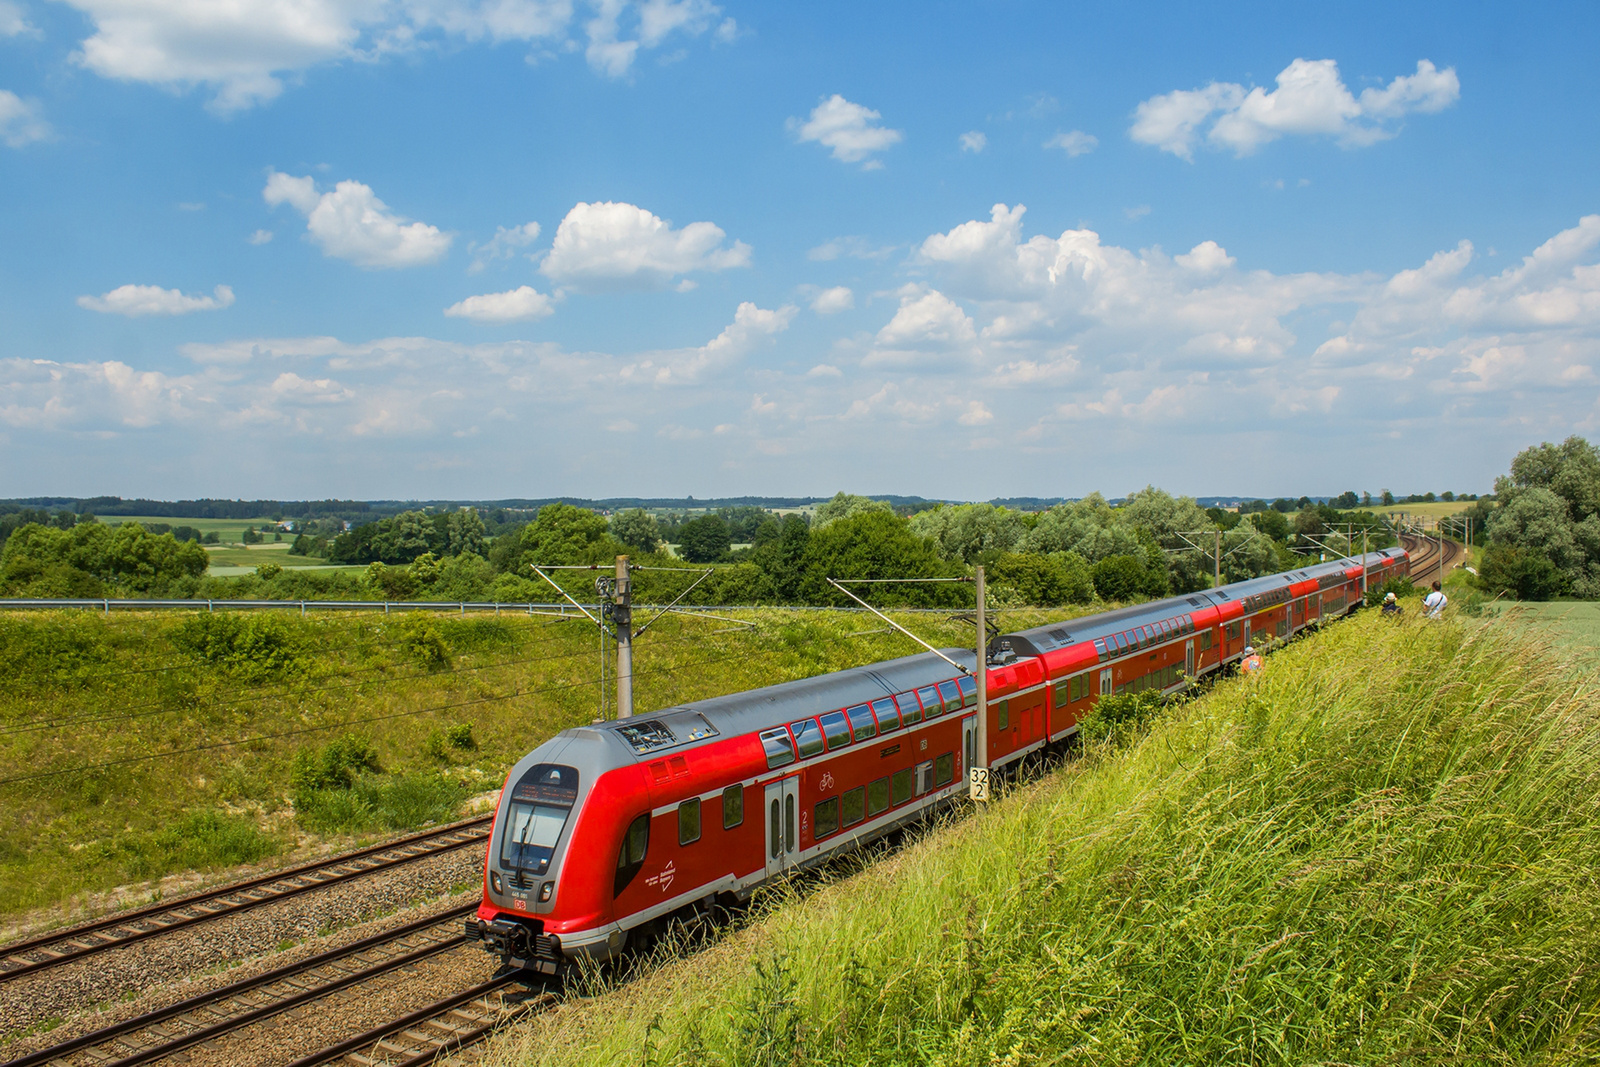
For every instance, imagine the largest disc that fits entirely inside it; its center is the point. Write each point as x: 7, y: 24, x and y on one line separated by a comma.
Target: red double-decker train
x: 606, y: 830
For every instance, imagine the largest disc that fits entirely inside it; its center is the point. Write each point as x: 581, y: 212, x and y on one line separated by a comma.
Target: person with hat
x: 1251, y: 662
x: 1391, y: 605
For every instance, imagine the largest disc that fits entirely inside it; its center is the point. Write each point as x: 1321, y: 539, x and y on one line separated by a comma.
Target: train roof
x: 776, y: 705
x: 1051, y: 636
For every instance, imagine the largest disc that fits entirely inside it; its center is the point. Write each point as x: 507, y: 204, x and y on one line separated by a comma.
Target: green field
x: 1573, y: 625
x: 1381, y: 851
x: 229, y: 530
x: 227, y: 560
x: 1437, y: 510
x: 137, y: 745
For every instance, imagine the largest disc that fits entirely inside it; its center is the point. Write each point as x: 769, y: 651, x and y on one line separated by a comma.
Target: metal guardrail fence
x: 462, y: 607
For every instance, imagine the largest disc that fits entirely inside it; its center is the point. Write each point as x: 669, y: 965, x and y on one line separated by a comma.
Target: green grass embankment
x: 140, y: 745
x: 1384, y: 850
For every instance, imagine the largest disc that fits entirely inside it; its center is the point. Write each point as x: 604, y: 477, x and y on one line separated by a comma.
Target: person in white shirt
x: 1433, y: 604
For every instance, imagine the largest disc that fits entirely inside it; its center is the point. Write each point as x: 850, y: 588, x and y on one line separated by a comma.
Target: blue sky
x: 448, y: 248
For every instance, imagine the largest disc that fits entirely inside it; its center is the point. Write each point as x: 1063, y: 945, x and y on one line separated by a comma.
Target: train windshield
x: 539, y: 807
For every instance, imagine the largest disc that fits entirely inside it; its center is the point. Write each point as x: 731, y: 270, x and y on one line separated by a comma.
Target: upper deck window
x: 932, y: 706
x: 808, y: 735
x: 888, y: 714
x: 836, y: 730
x: 951, y: 694
x: 910, y: 710
x: 780, y: 750
x: 969, y: 690
x: 861, y: 723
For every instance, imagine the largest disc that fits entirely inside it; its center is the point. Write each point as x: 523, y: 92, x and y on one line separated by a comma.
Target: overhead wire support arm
x: 536, y: 569
x: 896, y: 625
x: 709, y: 572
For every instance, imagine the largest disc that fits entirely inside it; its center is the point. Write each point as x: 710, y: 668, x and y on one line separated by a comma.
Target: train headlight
x: 496, y: 883
x: 545, y: 891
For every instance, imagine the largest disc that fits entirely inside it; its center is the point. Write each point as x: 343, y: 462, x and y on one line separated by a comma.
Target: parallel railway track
x: 158, y: 1034
x: 65, y: 946
x: 1427, y: 562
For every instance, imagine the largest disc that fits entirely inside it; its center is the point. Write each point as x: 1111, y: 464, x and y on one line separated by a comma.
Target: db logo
x: 520, y: 905
x: 827, y: 781
x: 664, y: 879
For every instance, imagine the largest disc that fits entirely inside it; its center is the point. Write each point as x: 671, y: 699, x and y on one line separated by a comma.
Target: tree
x: 1272, y: 523
x: 1525, y: 573
x: 877, y: 544
x: 780, y: 550
x: 1120, y: 578
x: 1089, y: 527
x: 565, y: 534
x: 1388, y: 499
x: 843, y: 505
x: 970, y: 532
x: 1042, y: 581
x: 704, y: 540
x: 637, y: 530
x: 1163, y: 517
x: 91, y: 559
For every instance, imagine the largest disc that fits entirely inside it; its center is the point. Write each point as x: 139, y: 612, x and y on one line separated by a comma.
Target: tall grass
x: 1384, y: 850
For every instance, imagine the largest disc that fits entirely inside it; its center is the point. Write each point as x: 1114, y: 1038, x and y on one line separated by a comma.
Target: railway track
x: 439, y: 1030
x: 65, y: 946
x: 1428, y: 564
x: 158, y: 1034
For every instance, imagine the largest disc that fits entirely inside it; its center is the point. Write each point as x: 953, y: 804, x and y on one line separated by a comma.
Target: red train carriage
x: 608, y: 828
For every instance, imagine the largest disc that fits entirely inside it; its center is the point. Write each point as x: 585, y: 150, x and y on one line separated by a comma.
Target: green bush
x: 252, y: 646
x: 421, y: 643
x: 381, y: 802
x: 57, y: 649
x: 1400, y: 585
x: 332, y: 766
x: 443, y: 744
x: 1117, y: 717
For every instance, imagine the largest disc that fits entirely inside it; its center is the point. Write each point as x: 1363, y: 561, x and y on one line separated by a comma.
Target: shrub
x: 1526, y: 573
x: 1400, y: 585
x: 443, y: 744
x: 422, y: 644
x: 1117, y: 717
x: 333, y: 766
x: 253, y: 647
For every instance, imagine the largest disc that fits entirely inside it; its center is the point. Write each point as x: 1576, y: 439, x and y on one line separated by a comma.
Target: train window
x: 924, y: 777
x: 776, y: 834
x: 732, y: 807
x: 826, y: 818
x: 808, y: 735
x: 788, y: 822
x: 1080, y: 687
x: 910, y: 710
x: 951, y: 694
x: 535, y: 816
x: 944, y: 769
x: 888, y: 715
x: 780, y: 750
x: 1004, y: 714
x: 689, y: 821
x: 1283, y: 628
x: 900, y: 786
x: 1122, y: 643
x: 855, y: 805
x: 932, y: 707
x: 969, y: 690
x: 878, y: 796
x: 1100, y: 650
x: 1063, y: 691
x: 630, y: 859
x: 1205, y: 640
x: 861, y: 723
x: 836, y: 729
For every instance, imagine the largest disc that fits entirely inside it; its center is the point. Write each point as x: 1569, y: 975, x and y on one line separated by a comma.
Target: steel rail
x: 483, y: 1023
x: 215, y: 1002
x: 152, y: 920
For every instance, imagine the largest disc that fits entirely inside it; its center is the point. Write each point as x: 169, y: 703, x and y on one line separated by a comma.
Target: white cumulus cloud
x: 834, y: 300
x: 13, y: 23
x: 1310, y: 100
x: 352, y: 224
x: 850, y: 130
x: 927, y: 320
x: 1074, y: 142
x: 21, y: 121
x: 620, y: 246
x: 136, y: 300
x: 517, y: 305
x: 974, y: 141
x: 243, y: 53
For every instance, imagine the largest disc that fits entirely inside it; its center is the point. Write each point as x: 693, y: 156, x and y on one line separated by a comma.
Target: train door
x: 1105, y: 682
x: 783, y: 838
x: 969, y: 743
x: 1246, y: 632
x: 1188, y: 659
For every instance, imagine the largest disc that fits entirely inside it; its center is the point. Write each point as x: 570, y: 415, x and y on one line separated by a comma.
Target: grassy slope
x: 1386, y: 849
x: 77, y: 688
